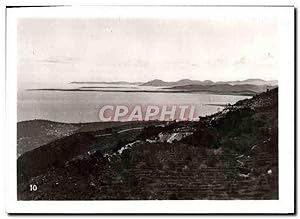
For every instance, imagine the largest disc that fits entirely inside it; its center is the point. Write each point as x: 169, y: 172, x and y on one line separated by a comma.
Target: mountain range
x: 184, y: 82
x: 238, y: 89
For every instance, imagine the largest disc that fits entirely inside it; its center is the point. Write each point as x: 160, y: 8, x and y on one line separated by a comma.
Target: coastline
x: 244, y: 93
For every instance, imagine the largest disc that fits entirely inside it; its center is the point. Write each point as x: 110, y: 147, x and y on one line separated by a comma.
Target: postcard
x: 150, y: 109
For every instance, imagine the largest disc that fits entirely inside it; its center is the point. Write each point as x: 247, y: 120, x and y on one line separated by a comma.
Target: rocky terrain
x: 232, y: 154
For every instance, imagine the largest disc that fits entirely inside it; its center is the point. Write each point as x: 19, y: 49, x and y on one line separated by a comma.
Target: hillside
x: 232, y: 154
x: 32, y: 134
x: 35, y: 133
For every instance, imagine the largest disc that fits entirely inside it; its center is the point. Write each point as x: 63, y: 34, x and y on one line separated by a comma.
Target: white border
x: 285, y: 204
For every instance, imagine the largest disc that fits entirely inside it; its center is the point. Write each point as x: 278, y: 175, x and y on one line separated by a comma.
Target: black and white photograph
x: 152, y: 105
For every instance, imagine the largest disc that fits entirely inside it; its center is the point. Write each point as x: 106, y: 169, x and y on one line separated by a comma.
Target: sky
x: 139, y: 50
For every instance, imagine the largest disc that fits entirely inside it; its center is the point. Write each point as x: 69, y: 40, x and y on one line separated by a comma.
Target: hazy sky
x: 64, y: 50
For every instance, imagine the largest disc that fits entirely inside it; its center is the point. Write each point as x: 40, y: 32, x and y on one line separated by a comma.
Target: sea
x: 81, y: 103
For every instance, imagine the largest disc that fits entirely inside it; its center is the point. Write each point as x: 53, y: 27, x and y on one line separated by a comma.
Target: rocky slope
x: 229, y: 155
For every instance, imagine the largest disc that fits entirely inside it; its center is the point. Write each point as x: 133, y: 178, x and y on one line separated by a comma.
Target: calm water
x: 84, y: 106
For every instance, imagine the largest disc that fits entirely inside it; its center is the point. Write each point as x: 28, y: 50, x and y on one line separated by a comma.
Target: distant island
x: 106, y: 82
x: 239, y: 89
x: 184, y: 82
x: 249, y: 87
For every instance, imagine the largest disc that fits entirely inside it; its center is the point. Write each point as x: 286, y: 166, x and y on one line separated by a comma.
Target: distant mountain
x: 188, y: 82
x: 251, y: 81
x: 240, y: 89
x: 105, y: 82
x: 157, y: 83
x: 184, y: 82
